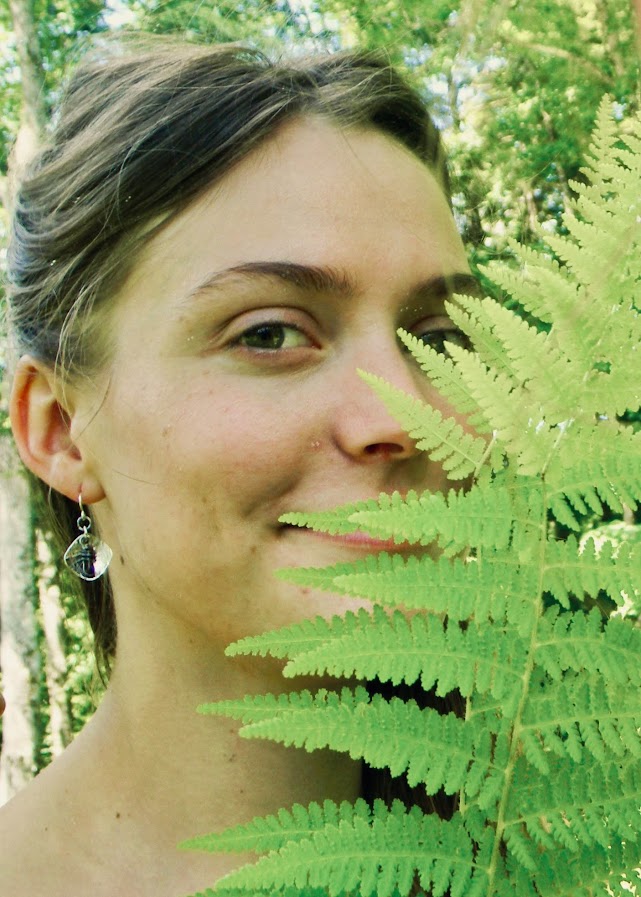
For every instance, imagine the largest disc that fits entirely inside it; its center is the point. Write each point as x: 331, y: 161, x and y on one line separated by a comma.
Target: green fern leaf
x: 397, y: 649
x: 470, y: 314
x: 551, y: 379
x: 455, y: 587
x: 580, y: 642
x: 290, y: 640
x: 430, y: 748
x: 335, y: 522
x: 508, y: 410
x: 253, y: 708
x: 533, y: 285
x: 267, y: 833
x: 271, y: 892
x: 374, y: 859
x: 444, y: 377
x: 459, y: 453
x: 586, y: 872
x: 570, y: 570
x: 584, y: 477
x: 578, y: 805
x: 481, y: 517
x: 585, y: 712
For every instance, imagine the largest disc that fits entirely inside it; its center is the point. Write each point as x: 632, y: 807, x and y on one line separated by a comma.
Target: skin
x: 189, y: 447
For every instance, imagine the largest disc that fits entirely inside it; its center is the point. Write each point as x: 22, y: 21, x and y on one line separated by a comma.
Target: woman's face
x: 234, y: 397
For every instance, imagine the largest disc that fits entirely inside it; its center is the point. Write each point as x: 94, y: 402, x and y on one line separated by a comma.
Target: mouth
x: 358, y: 541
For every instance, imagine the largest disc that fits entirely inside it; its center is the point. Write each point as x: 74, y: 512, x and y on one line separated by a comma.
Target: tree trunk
x: 19, y: 659
x: 636, y: 7
x: 32, y: 108
x: 55, y: 659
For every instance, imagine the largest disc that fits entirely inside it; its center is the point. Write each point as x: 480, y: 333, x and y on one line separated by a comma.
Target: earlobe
x: 41, y: 428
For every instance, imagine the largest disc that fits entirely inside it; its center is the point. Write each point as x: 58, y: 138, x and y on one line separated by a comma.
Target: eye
x: 270, y: 336
x: 437, y: 334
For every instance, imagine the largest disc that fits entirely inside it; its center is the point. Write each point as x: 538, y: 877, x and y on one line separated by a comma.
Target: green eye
x: 272, y: 336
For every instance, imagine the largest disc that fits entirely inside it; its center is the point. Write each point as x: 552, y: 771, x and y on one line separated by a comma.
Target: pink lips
x: 363, y: 540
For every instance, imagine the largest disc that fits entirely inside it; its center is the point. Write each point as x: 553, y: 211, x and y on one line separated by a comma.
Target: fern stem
x: 516, y: 729
x: 485, y: 456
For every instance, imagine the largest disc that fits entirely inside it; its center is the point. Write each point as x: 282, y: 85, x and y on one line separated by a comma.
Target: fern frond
x: 397, y: 649
x: 583, y: 642
x: 429, y: 747
x: 584, y: 476
x: 525, y: 284
x: 481, y: 517
x: 583, y: 804
x: 604, y: 137
x: 588, y: 713
x: 266, y: 833
x: 592, y: 871
x: 253, y: 708
x: 571, y: 570
x: 335, y: 522
x: 459, y: 453
x: 509, y: 412
x: 552, y: 380
x: 495, y: 589
x: 614, y: 393
x: 290, y: 640
x: 470, y: 314
x: 444, y: 377
x: 374, y: 859
x: 257, y: 892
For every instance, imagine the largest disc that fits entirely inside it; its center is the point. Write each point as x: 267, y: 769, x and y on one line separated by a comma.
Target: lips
x: 359, y: 540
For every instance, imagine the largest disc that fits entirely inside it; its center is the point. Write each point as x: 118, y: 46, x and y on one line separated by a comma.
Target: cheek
x: 240, y: 434
x: 204, y: 438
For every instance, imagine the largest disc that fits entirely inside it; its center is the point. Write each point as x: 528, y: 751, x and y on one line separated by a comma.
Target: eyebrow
x: 316, y: 279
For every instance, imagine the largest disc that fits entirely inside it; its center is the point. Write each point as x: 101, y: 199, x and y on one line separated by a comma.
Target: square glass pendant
x: 88, y: 557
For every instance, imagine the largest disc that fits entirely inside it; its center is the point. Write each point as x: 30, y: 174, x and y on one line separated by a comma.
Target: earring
x: 87, y: 556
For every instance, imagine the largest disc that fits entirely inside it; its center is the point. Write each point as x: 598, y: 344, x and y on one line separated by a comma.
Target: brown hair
x: 142, y: 130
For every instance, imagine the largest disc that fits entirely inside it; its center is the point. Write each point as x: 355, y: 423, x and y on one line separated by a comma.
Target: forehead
x: 315, y: 194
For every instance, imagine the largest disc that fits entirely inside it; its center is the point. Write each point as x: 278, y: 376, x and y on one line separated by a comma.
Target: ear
x: 42, y: 430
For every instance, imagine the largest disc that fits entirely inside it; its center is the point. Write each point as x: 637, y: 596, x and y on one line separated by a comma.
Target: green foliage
x: 546, y: 761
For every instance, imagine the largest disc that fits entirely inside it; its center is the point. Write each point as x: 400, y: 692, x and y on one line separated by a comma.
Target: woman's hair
x: 143, y: 129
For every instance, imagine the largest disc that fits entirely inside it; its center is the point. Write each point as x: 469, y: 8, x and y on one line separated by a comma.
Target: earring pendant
x: 87, y: 556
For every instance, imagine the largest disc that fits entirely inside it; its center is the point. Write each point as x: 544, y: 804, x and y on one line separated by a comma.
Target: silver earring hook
x: 84, y: 521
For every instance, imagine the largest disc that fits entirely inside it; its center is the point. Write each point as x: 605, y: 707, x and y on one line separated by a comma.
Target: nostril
x: 383, y: 449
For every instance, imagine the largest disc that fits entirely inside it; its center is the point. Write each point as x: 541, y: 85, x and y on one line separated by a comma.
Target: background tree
x: 515, y: 87
x: 39, y: 720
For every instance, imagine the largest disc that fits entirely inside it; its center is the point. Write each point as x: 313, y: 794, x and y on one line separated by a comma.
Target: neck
x: 176, y: 773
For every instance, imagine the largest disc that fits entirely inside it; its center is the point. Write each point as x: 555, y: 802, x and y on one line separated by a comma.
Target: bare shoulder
x: 58, y: 839
x: 48, y: 844
x: 31, y: 835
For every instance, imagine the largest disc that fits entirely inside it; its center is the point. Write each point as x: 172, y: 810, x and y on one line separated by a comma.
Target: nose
x: 363, y: 428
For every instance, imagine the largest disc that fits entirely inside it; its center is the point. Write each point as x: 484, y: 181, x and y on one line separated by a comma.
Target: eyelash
x: 446, y: 334
x: 436, y: 335
x: 272, y: 326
